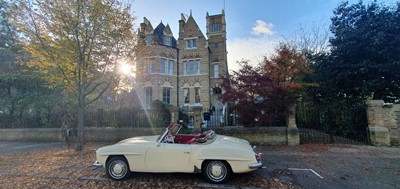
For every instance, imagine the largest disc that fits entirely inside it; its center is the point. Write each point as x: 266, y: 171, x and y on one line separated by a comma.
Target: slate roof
x: 158, y: 34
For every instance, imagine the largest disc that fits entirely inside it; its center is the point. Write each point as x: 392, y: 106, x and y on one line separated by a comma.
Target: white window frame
x: 168, y: 40
x: 194, y: 43
x: 216, y: 70
x: 191, y: 67
x: 163, y: 66
x: 197, y: 99
x: 188, y: 45
x: 166, y: 66
x: 149, y: 68
x: 191, y: 43
x: 197, y: 62
x: 166, y: 95
x: 185, y: 73
x: 216, y: 27
x: 170, y: 67
x: 186, y: 95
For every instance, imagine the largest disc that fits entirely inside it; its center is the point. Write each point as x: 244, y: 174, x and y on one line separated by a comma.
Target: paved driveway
x: 327, y: 166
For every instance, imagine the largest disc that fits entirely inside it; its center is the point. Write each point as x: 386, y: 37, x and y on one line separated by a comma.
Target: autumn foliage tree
x: 287, y: 69
x: 76, y: 44
x: 263, y: 94
x: 247, y: 88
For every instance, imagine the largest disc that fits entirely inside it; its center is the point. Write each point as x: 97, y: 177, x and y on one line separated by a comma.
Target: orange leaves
x: 288, y: 68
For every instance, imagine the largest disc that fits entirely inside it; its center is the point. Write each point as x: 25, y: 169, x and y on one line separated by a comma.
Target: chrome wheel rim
x: 118, y: 169
x: 216, y: 171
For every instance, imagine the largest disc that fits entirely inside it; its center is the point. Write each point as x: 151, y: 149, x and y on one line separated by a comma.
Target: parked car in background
x: 215, y: 156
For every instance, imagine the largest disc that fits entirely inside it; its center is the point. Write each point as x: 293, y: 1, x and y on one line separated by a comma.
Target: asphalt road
x: 307, y: 166
x: 334, y: 166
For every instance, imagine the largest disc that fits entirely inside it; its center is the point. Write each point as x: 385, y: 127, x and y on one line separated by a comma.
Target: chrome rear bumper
x: 256, y: 165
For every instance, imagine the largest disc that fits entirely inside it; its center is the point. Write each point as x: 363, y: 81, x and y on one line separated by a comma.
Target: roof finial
x: 190, y: 12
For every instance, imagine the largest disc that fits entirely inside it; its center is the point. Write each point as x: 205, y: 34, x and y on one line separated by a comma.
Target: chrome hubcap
x: 216, y: 171
x: 118, y: 169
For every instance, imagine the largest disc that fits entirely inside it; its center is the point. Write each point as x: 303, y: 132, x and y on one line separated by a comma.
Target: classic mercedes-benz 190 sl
x: 215, y: 156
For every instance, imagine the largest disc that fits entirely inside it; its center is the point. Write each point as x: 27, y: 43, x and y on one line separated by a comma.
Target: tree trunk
x: 81, y: 115
x: 80, y: 129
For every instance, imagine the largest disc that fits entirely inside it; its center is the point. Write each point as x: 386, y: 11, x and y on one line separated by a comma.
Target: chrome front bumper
x: 97, y: 164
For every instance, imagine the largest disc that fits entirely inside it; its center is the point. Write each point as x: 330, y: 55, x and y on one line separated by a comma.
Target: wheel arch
x: 112, y: 156
x: 203, y: 163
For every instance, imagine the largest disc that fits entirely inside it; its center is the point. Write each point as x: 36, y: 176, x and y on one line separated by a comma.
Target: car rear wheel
x: 216, y: 171
x: 117, y: 168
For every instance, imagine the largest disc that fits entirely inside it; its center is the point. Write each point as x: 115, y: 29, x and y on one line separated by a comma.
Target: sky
x: 254, y: 27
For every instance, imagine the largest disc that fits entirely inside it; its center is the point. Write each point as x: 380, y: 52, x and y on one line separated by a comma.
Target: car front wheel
x: 216, y: 171
x: 118, y: 168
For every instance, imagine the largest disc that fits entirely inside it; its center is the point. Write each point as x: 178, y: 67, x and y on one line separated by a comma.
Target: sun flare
x: 126, y: 69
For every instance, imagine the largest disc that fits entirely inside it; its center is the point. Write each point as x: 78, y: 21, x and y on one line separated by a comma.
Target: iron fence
x: 121, y: 118
x: 337, y: 137
x: 128, y: 118
x: 218, y: 117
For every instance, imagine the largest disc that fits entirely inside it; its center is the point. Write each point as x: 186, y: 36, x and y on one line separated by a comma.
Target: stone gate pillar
x: 197, y: 115
x: 293, y: 135
x: 378, y: 133
x: 174, y: 114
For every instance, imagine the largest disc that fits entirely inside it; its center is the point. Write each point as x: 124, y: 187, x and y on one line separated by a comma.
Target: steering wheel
x: 169, y: 138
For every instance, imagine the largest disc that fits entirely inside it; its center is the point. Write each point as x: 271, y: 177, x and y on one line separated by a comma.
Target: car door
x: 167, y: 157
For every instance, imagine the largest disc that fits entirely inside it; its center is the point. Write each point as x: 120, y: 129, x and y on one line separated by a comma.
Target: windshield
x: 172, y: 129
x: 162, y: 136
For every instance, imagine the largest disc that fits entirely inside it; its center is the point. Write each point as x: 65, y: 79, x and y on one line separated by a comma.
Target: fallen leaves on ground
x: 66, y: 168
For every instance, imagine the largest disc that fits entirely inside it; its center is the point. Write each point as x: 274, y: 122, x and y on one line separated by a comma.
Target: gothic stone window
x: 216, y: 45
x: 149, y: 68
x: 166, y: 67
x: 167, y: 40
x: 191, y: 43
x: 191, y: 67
x: 216, y: 27
x: 170, y: 67
x: 197, y: 95
x: 216, y: 71
x: 167, y: 95
x: 186, y: 94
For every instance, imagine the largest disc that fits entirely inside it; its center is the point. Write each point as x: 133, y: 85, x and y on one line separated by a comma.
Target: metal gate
x: 343, y: 122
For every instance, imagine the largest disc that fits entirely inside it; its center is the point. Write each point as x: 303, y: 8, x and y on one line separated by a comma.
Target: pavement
x: 332, y: 166
x: 305, y: 166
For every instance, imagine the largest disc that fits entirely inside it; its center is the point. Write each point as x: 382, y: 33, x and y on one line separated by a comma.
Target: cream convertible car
x: 216, y: 156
